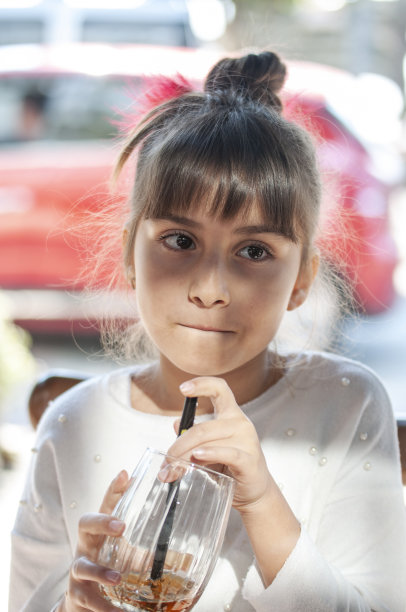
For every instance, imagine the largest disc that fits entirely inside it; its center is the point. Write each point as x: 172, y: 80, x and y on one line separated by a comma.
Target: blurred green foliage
x: 17, y: 365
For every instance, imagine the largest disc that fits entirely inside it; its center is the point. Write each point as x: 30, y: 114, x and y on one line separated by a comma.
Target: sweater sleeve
x: 356, y: 562
x: 41, y: 552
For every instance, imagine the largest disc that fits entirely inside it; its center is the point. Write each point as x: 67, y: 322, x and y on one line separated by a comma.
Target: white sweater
x: 329, y: 437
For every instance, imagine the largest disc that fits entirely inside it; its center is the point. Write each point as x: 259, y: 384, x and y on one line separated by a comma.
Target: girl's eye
x: 178, y: 241
x: 255, y: 252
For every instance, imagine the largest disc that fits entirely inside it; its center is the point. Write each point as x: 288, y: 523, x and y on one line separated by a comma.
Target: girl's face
x: 211, y: 293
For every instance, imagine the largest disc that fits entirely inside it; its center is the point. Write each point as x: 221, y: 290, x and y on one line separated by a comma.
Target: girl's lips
x: 207, y: 328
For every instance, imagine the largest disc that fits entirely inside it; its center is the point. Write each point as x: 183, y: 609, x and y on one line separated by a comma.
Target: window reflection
x: 70, y: 107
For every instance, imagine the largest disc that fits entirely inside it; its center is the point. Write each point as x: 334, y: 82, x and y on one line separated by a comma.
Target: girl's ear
x: 304, y: 281
x: 126, y: 235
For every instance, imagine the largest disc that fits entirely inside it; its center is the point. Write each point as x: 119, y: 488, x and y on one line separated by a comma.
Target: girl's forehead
x: 251, y: 214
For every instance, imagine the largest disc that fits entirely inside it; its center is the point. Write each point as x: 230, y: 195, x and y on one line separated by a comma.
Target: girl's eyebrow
x: 259, y: 229
x: 178, y: 219
x: 246, y: 229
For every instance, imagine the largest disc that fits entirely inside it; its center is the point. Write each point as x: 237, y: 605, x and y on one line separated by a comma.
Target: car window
x: 72, y: 107
x: 175, y: 34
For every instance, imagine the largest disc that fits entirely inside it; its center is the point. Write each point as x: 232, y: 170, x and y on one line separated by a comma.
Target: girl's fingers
x: 115, y: 491
x: 100, y: 524
x: 230, y: 432
x: 92, y: 528
x: 230, y: 456
x: 217, y: 390
x: 84, y: 569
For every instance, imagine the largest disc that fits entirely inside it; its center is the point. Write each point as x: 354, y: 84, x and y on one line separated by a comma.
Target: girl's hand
x: 83, y: 593
x: 230, y: 440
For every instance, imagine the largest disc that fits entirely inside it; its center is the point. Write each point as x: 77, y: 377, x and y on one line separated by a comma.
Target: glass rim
x: 191, y: 464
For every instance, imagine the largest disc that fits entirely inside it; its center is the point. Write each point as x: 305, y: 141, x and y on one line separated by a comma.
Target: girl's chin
x: 203, y: 367
x: 203, y: 371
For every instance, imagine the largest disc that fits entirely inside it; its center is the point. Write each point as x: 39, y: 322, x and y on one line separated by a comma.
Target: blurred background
x: 70, y: 68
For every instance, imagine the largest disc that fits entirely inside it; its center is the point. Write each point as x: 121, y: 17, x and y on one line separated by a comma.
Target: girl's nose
x: 209, y: 285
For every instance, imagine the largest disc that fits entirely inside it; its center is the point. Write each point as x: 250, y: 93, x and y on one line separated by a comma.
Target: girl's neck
x: 156, y: 390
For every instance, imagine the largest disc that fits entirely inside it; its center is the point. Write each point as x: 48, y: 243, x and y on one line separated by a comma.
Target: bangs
x: 225, y: 169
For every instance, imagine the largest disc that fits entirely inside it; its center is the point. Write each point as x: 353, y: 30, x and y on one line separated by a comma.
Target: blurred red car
x: 56, y: 155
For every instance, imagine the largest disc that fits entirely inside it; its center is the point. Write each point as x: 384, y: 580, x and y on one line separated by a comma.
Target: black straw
x: 188, y: 414
x: 186, y: 421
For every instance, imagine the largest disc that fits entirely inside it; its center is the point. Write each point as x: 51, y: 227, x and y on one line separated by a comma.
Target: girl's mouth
x: 207, y: 328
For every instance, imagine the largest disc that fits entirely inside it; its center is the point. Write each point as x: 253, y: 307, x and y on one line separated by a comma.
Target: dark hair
x: 227, y: 148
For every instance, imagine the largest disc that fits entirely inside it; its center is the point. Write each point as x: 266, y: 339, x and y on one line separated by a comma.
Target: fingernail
x: 187, y: 387
x: 113, y: 576
x: 199, y: 453
x: 119, y: 476
x: 116, y: 525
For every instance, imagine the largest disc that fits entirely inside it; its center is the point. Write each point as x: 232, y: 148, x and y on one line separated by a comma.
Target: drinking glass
x: 176, y: 514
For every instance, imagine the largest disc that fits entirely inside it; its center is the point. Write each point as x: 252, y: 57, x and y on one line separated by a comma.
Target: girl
x: 220, y: 243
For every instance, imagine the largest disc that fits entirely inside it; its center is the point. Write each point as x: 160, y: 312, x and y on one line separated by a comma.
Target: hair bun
x: 258, y: 77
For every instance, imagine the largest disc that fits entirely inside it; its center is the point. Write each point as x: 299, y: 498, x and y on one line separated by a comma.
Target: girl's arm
x: 358, y: 560
x: 231, y: 440
x: 44, y: 564
x: 40, y: 551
